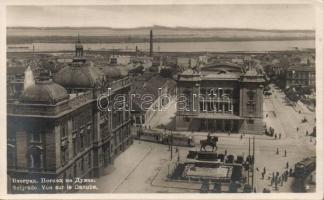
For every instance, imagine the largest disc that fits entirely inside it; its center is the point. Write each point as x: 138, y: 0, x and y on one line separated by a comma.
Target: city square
x: 133, y: 177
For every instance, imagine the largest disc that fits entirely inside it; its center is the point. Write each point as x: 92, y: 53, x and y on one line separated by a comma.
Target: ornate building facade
x: 221, y: 97
x: 301, y: 75
x: 56, y: 130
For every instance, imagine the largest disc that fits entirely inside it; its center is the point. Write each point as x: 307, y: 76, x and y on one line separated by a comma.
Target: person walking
x: 277, y: 151
x: 287, y: 165
x: 272, y: 180
x: 275, y: 136
x: 285, y: 153
x: 279, y: 136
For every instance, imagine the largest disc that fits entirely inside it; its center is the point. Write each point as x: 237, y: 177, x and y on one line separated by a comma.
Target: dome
x: 44, y: 92
x: 78, y: 76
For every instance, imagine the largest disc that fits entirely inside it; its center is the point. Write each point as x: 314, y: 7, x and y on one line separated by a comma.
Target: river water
x: 220, y: 46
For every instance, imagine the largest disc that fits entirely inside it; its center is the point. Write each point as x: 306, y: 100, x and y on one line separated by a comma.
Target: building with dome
x: 55, y: 129
x: 221, y: 97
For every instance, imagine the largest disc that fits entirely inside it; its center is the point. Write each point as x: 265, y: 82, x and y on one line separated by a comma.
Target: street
x: 143, y: 166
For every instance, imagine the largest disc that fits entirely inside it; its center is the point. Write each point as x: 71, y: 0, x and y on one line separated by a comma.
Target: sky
x: 281, y: 16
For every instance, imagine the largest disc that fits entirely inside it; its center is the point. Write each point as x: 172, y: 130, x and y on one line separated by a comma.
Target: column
x: 232, y: 108
x: 231, y: 121
x: 223, y: 107
x: 223, y: 125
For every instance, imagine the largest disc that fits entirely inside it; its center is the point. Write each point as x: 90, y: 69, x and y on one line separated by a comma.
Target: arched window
x: 35, y: 155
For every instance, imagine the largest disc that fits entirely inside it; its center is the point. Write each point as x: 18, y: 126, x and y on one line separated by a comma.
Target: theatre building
x: 56, y: 130
x: 221, y: 97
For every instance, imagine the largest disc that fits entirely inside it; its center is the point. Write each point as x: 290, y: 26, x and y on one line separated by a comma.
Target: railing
x: 34, y: 109
x: 80, y: 99
x: 49, y: 110
x: 119, y: 84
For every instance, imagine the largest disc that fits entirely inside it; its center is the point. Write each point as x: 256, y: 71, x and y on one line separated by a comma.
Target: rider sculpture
x: 210, y: 141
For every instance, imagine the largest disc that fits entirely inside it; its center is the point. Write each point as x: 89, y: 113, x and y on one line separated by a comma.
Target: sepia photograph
x: 162, y: 98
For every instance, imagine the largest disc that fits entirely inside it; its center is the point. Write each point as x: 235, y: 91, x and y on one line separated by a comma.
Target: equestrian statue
x: 210, y: 141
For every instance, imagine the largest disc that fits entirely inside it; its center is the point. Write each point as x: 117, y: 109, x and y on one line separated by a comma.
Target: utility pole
x: 171, y: 143
x: 249, y: 163
x: 253, y: 152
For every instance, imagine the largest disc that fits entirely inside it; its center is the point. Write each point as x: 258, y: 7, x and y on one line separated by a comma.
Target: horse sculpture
x: 211, y: 142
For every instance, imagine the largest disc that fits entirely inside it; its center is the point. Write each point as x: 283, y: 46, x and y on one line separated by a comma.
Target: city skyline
x: 282, y: 17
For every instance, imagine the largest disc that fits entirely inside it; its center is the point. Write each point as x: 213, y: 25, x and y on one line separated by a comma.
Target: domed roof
x: 44, y: 92
x: 78, y: 75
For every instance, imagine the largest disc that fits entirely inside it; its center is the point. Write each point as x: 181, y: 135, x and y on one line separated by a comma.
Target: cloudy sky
x: 127, y: 16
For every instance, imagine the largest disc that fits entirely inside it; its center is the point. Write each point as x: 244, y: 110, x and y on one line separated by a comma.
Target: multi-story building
x: 15, y: 81
x: 220, y: 97
x: 56, y: 130
x: 161, y: 91
x: 301, y: 75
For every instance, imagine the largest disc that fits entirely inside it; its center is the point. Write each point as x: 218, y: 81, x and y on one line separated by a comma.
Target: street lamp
x: 171, y: 144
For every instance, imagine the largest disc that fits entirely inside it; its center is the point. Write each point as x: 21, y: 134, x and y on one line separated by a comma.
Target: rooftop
x: 78, y: 75
x: 44, y: 92
x: 301, y: 67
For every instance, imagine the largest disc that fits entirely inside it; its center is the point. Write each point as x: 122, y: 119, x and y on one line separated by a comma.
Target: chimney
x: 151, y: 43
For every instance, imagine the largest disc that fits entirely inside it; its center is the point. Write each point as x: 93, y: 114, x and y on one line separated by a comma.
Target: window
x: 251, y: 101
x: 35, y: 137
x: 137, y: 120
x: 75, y: 170
x: 74, y: 146
x: 89, y: 160
x: 226, y: 107
x: 74, y: 123
x: 64, y: 130
x: 250, y: 121
x: 64, y: 155
x: 82, y: 164
x: 201, y: 105
x: 188, y: 98
x: 11, y: 149
x: 220, y: 92
x: 11, y: 155
x: 81, y: 140
x: 35, y: 157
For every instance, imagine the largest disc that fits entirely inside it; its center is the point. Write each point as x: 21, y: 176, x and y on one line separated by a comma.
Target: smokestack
x: 136, y: 51
x: 151, y: 43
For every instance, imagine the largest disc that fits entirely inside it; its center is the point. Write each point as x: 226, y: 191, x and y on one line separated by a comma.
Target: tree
x: 166, y: 72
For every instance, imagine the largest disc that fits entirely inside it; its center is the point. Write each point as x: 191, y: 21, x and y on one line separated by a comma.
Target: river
x: 220, y: 46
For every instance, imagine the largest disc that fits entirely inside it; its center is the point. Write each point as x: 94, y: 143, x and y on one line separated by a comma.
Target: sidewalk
x: 124, y: 165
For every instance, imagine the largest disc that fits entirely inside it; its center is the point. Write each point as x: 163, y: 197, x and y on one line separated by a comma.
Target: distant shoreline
x: 121, y: 39
x: 158, y: 27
